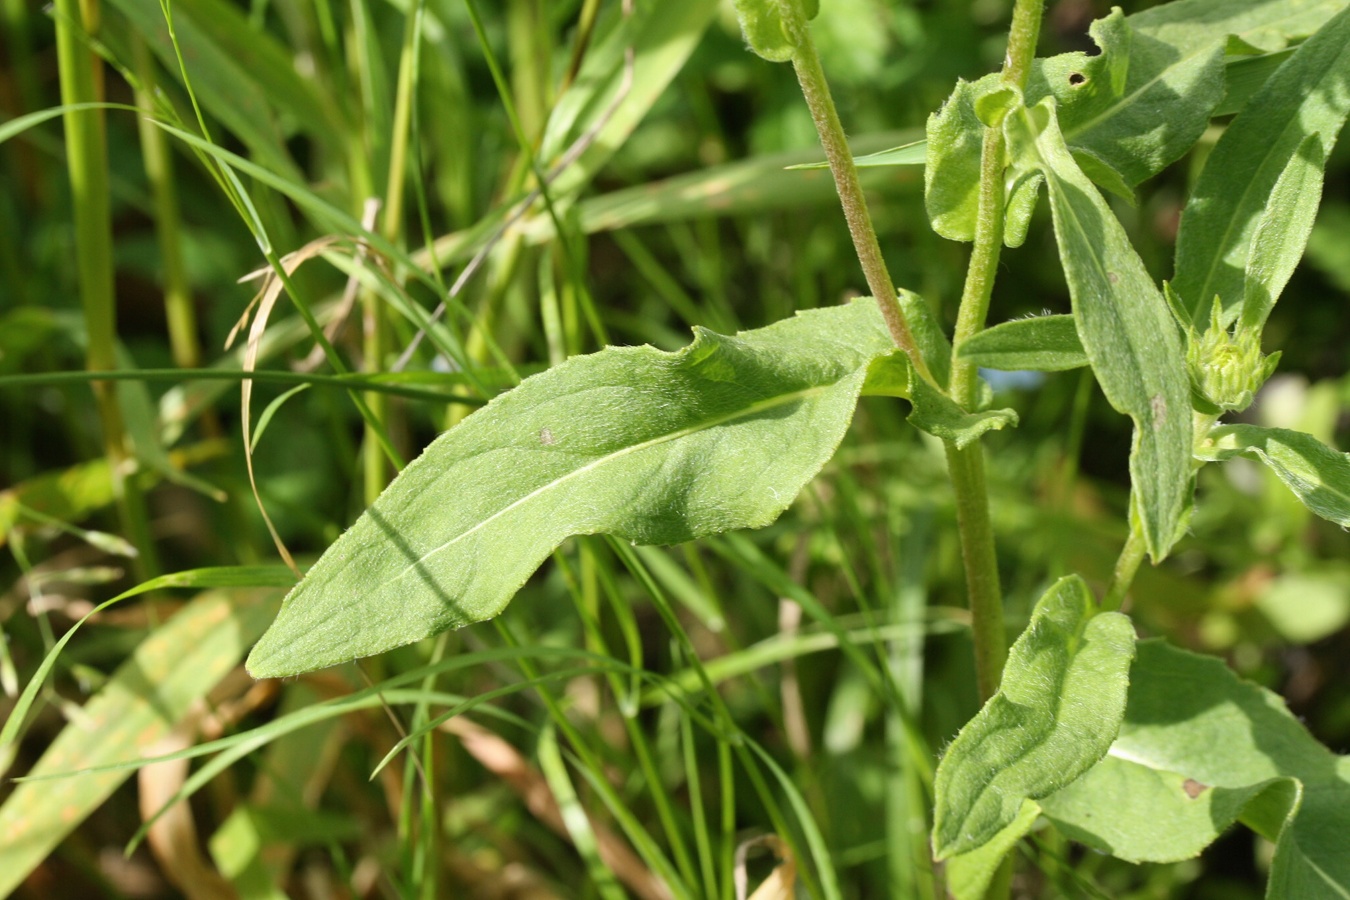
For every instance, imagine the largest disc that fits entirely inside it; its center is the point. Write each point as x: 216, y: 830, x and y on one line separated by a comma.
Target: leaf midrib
x: 1222, y: 247
x: 1130, y: 99
x: 752, y: 409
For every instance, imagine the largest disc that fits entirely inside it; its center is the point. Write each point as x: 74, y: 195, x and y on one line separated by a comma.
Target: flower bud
x: 1227, y: 368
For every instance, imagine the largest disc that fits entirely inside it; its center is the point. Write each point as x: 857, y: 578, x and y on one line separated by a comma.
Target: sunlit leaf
x: 1124, y: 324
x: 1318, y: 475
x: 1264, y: 177
x: 653, y: 447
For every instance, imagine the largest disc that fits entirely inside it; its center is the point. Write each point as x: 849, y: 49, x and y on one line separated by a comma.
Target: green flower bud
x: 766, y: 25
x: 1227, y: 368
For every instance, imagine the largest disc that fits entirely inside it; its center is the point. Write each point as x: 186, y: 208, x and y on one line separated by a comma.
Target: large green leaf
x: 1147, y: 96
x: 1124, y: 324
x: 1198, y: 748
x: 1264, y: 180
x: 1137, y: 105
x: 1054, y: 716
x: 1317, y: 474
x: 654, y: 447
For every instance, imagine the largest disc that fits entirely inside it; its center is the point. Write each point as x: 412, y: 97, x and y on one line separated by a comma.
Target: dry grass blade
x: 261, y: 309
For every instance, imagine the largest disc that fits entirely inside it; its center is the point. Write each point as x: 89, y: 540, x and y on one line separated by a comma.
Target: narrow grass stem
x: 1127, y: 565
x: 816, y: 90
x: 81, y: 77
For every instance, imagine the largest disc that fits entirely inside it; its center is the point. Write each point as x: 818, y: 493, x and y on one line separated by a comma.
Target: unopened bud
x: 1228, y: 368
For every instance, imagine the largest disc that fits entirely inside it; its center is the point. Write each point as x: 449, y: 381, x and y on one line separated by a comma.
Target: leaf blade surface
x: 655, y: 448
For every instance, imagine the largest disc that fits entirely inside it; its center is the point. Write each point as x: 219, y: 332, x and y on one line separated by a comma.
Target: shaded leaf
x: 1217, y: 254
x: 1039, y: 344
x: 1318, y: 475
x: 1200, y: 747
x: 653, y: 447
x: 1054, y: 716
x: 1124, y: 324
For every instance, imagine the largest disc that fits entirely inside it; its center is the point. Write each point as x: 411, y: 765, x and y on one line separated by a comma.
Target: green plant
x: 650, y: 448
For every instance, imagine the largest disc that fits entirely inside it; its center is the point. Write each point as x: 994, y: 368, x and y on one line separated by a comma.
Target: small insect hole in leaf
x: 1077, y: 78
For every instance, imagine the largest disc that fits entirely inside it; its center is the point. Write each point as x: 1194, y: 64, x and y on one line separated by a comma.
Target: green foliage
x: 1057, y: 712
x: 772, y: 27
x: 1040, y: 344
x: 1318, y: 475
x: 571, y: 187
x: 1197, y: 749
x: 655, y: 448
x: 1241, y: 245
x: 1124, y: 324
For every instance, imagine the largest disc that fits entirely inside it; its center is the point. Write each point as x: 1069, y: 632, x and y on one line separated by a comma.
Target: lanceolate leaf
x: 1217, y: 251
x: 1317, y: 474
x: 1124, y: 323
x: 1199, y: 747
x: 1055, y: 715
x: 1041, y: 344
x: 653, y: 447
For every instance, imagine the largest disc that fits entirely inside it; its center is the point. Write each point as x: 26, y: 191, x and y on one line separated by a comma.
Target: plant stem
x: 816, y: 90
x: 966, y: 469
x: 81, y: 76
x: 1131, y: 557
x: 982, y: 269
x: 966, y: 466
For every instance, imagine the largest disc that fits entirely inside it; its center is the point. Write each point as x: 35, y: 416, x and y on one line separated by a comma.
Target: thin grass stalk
x: 179, y: 313
x: 81, y: 75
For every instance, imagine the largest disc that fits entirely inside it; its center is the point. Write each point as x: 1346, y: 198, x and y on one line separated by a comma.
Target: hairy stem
x: 816, y: 90
x: 1131, y: 557
x: 966, y: 468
